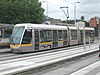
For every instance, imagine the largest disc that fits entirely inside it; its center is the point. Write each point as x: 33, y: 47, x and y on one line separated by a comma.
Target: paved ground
x: 93, y: 69
x: 68, y: 68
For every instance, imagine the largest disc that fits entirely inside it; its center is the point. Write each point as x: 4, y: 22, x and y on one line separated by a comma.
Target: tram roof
x: 86, y: 28
x: 42, y: 26
x: 70, y: 27
x: 51, y: 27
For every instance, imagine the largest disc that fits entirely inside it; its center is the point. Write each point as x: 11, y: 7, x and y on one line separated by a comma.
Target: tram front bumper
x: 15, y: 48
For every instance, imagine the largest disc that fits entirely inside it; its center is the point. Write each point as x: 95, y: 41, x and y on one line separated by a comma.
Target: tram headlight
x: 15, y: 46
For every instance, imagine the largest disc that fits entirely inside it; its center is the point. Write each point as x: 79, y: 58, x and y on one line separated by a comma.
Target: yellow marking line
x: 46, y: 43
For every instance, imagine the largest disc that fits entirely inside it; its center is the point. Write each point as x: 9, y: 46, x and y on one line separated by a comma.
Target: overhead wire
x: 57, y: 7
x: 91, y: 11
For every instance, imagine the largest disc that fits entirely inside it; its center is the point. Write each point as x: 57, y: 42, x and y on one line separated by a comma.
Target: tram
x: 34, y: 37
x: 5, y: 34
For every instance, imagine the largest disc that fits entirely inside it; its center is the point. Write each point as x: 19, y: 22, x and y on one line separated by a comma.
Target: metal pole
x: 47, y: 10
x: 66, y: 14
x: 84, y: 39
x: 47, y: 7
x: 89, y: 43
x: 75, y: 11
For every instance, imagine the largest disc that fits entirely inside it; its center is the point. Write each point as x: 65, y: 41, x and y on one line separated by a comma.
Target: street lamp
x: 47, y: 7
x: 75, y: 11
x: 66, y: 14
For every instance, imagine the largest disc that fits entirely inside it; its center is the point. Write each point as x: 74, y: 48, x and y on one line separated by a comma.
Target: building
x: 54, y: 21
x: 95, y: 23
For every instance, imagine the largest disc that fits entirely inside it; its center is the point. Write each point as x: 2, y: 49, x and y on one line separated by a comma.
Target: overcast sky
x: 86, y: 8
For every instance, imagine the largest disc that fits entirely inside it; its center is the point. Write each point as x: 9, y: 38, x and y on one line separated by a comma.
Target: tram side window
x: 65, y: 34
x: 86, y: 33
x: 55, y: 36
x: 74, y: 34
x: 60, y: 37
x: 36, y: 33
x: 91, y: 34
x: 42, y: 38
x: 27, y: 38
x: 7, y: 32
x: 81, y: 32
x: 45, y: 36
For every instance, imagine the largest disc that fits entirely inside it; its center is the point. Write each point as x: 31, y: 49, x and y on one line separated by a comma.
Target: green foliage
x: 20, y: 11
x: 86, y: 24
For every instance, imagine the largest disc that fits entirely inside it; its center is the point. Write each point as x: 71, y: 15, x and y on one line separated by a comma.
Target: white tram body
x: 73, y: 35
x: 34, y: 37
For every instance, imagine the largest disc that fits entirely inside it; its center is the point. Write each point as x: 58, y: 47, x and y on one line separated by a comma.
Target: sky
x: 86, y: 8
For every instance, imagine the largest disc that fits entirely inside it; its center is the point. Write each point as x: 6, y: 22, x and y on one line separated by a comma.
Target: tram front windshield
x: 16, y: 35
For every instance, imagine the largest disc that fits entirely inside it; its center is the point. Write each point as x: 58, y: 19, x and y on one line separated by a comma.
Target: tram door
x: 55, y: 39
x: 60, y: 38
x: 27, y: 41
x: 91, y: 35
x: 65, y: 38
x: 36, y: 37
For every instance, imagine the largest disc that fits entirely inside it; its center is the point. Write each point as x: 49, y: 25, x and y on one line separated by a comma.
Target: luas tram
x: 5, y: 34
x: 34, y: 37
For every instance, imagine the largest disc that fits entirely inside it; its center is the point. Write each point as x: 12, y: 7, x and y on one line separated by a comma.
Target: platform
x: 27, y: 63
x: 93, y: 69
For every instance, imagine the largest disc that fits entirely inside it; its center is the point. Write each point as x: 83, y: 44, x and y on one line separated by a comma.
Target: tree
x: 20, y: 11
x: 86, y: 24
